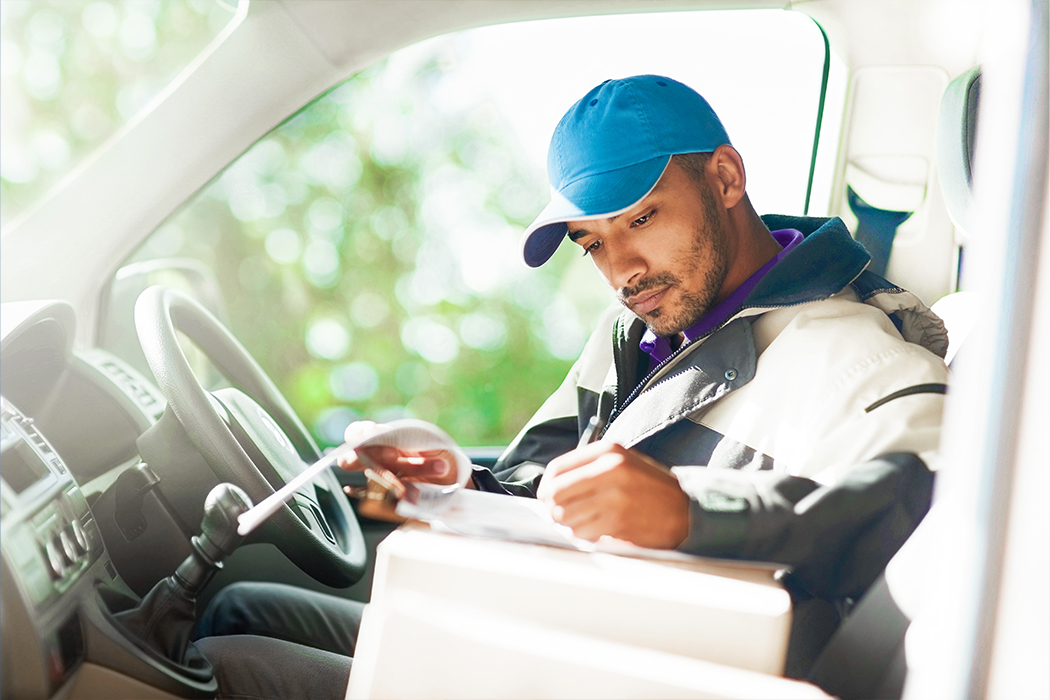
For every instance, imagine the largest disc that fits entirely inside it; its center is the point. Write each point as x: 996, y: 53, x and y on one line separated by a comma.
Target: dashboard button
x: 69, y: 546
x: 56, y: 566
x: 80, y: 535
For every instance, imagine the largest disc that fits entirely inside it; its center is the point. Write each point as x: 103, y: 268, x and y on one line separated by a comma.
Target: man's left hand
x: 604, y: 489
x: 428, y: 466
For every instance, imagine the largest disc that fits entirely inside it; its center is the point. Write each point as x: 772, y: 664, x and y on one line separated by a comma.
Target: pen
x: 592, y: 432
x: 254, y: 517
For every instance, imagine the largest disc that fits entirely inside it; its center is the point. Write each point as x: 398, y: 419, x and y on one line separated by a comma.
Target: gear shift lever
x: 218, y: 537
x: 164, y: 620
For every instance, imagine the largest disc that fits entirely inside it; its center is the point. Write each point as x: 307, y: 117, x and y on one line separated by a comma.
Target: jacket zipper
x: 643, y: 384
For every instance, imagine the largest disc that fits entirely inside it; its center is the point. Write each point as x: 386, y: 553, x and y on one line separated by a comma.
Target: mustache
x: 661, y: 279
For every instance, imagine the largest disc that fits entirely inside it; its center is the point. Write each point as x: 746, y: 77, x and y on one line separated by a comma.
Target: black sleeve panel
x: 523, y: 480
x: 519, y: 470
x: 837, y: 538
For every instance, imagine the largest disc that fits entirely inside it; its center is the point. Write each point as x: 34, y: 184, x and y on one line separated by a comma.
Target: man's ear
x: 726, y: 169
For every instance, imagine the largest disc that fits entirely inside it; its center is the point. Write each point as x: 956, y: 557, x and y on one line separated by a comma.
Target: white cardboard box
x: 455, y: 616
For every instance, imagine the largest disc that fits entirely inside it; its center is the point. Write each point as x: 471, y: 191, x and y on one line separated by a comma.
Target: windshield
x: 74, y: 71
x: 366, y: 251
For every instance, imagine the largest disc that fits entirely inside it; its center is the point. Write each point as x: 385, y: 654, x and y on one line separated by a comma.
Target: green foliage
x: 348, y: 285
x: 73, y: 71
x: 357, y: 305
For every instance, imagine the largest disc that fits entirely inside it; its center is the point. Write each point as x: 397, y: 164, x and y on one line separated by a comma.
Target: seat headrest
x: 956, y: 128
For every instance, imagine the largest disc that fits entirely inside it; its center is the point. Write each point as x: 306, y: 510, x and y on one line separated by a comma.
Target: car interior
x: 310, y: 223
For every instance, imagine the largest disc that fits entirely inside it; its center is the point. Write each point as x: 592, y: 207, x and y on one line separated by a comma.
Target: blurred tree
x: 73, y: 71
x: 346, y: 242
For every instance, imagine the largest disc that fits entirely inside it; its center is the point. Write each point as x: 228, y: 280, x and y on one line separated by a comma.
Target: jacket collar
x: 821, y: 265
x: 827, y: 260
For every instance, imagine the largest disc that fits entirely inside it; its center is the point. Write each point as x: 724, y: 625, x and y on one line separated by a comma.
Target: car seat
x: 865, y: 657
x: 956, y: 129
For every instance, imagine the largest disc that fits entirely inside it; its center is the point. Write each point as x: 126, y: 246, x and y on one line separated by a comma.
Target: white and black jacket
x: 803, y: 428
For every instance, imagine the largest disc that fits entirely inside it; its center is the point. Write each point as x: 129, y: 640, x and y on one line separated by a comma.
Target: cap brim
x: 604, y: 194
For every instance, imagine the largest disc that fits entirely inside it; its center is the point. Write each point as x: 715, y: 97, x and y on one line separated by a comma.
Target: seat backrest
x: 956, y: 127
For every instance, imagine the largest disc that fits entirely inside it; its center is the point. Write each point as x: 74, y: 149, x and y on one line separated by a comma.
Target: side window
x: 367, y: 249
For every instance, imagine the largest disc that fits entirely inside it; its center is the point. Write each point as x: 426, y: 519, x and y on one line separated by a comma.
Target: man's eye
x: 641, y: 220
x: 592, y: 248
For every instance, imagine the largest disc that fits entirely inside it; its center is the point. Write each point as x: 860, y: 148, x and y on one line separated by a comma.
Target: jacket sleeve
x: 557, y: 425
x: 836, y: 537
x: 520, y: 468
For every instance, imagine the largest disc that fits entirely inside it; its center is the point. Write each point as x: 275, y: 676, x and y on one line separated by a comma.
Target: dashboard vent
x: 129, y: 381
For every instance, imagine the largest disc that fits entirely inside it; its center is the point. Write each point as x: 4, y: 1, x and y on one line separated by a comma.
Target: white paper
x: 422, y: 502
x: 482, y: 514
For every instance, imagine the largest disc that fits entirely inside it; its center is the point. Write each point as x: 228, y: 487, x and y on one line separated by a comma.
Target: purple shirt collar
x: 658, y: 347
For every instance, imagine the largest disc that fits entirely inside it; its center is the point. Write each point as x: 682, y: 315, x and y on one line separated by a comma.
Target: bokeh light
x: 483, y: 331
x: 332, y: 422
x: 328, y: 339
x: 430, y: 339
x: 284, y: 246
x: 369, y: 309
x: 355, y: 381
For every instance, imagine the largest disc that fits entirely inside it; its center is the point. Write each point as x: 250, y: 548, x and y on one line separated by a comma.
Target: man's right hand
x: 605, y: 490
x: 431, y: 466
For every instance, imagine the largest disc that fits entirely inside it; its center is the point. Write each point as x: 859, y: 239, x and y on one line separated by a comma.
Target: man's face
x: 667, y: 257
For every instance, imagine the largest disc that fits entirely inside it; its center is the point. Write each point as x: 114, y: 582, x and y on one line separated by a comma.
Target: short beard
x: 693, y: 305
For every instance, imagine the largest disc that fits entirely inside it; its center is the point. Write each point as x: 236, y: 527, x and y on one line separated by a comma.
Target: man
x: 758, y: 396
x: 760, y: 366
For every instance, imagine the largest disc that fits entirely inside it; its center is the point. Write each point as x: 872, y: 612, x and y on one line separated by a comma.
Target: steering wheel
x: 322, y: 535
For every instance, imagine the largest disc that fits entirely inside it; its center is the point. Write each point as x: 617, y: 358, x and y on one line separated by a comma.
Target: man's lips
x: 646, y: 301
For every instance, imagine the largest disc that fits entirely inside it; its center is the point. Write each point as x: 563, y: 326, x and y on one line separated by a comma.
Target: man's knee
x: 231, y: 610
x: 259, y: 667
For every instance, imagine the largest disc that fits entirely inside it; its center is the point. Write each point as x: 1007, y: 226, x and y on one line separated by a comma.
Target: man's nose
x: 627, y: 266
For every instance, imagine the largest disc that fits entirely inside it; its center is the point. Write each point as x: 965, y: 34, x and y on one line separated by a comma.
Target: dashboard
x: 69, y: 422
x: 49, y: 540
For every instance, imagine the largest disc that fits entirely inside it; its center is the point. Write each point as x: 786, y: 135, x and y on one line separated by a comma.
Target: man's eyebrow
x: 580, y: 233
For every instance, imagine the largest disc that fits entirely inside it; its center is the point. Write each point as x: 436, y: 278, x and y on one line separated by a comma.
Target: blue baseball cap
x: 610, y: 149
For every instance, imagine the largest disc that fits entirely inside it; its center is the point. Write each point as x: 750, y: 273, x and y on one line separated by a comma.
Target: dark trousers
x: 269, y: 640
